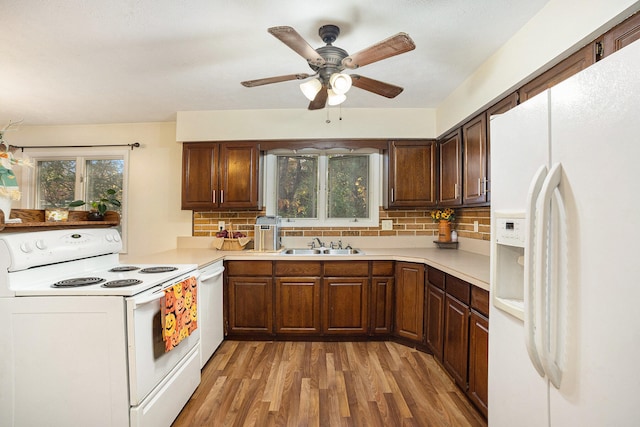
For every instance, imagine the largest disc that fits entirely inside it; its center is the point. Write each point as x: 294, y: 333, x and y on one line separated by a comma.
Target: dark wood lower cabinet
x: 434, y: 325
x: 479, y: 361
x: 409, y: 308
x: 456, y: 340
x: 345, y: 306
x: 381, y: 306
x: 297, y: 306
x: 250, y: 308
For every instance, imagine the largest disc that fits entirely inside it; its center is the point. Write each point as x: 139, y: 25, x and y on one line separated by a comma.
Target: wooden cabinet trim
x: 298, y: 268
x: 346, y: 268
x: 459, y: 289
x: 480, y: 300
x: 436, y: 277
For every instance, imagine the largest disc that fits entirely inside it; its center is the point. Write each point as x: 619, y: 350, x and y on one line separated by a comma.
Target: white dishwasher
x: 210, y: 310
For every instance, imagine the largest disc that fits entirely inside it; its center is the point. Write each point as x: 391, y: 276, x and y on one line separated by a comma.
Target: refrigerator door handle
x: 530, y: 326
x: 546, y: 263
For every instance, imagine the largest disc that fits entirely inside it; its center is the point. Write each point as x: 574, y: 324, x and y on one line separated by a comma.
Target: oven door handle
x: 155, y: 296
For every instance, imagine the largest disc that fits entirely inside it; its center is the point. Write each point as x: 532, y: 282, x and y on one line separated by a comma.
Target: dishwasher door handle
x: 214, y: 274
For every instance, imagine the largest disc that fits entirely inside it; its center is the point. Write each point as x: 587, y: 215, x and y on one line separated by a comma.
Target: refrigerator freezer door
x: 596, y: 137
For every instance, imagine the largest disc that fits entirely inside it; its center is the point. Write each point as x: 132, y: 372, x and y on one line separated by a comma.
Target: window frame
x: 375, y: 191
x: 80, y: 155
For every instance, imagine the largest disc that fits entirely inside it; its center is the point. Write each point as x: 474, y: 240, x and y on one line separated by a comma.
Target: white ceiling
x: 119, y: 61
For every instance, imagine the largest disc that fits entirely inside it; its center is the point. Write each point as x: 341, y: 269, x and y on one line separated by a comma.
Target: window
x: 320, y: 188
x: 60, y: 177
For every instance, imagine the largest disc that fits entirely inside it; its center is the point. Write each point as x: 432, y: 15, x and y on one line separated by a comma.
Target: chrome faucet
x: 336, y: 245
x: 313, y: 243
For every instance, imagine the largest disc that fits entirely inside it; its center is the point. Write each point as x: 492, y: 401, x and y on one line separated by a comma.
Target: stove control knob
x: 26, y: 247
x: 108, y: 238
x: 116, y: 237
x: 41, y: 244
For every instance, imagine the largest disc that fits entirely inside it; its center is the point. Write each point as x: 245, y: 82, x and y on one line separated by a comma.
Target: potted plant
x: 444, y: 218
x: 99, y: 207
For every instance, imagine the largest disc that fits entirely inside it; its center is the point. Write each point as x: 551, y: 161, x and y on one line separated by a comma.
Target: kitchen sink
x: 321, y: 251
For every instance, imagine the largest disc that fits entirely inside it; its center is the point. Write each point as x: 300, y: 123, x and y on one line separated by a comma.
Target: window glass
x: 297, y: 178
x: 56, y: 182
x: 348, y: 186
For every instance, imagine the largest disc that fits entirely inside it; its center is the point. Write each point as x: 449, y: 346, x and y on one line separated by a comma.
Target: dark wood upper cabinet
x: 474, y: 150
x: 411, y: 175
x: 220, y: 176
x: 450, y: 170
x: 562, y: 71
x: 621, y: 35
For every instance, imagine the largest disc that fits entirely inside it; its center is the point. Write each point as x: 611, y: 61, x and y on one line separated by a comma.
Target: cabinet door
x: 199, y: 175
x: 456, y: 340
x: 621, y: 35
x: 345, y: 306
x: 479, y: 361
x: 298, y: 305
x: 565, y: 69
x: 412, y: 179
x: 250, y: 305
x: 474, y: 150
x: 238, y: 175
x: 450, y: 170
x: 381, y: 305
x: 435, y: 320
x: 409, y: 318
x: 501, y: 107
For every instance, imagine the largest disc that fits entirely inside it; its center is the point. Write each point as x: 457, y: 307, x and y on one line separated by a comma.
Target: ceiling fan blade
x: 276, y: 79
x: 380, y: 88
x: 400, y: 43
x: 320, y: 100
x: 291, y: 38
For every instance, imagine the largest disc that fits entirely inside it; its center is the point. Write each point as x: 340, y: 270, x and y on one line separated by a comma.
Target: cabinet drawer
x: 435, y: 277
x: 382, y: 268
x: 480, y: 300
x: 249, y: 268
x: 459, y: 289
x: 298, y: 268
x: 346, y: 268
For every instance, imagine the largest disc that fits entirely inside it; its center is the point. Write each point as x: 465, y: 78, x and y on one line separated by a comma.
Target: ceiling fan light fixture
x: 311, y: 88
x: 334, y: 98
x: 340, y: 82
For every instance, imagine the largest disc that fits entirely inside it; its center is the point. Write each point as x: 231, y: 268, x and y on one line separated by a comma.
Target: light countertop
x: 468, y: 266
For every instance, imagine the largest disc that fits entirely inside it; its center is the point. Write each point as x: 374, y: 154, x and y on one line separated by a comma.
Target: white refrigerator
x: 564, y: 340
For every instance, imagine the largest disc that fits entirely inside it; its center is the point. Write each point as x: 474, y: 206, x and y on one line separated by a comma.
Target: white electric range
x: 81, y: 334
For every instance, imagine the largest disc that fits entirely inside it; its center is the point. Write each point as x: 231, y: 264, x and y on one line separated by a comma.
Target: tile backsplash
x: 410, y: 222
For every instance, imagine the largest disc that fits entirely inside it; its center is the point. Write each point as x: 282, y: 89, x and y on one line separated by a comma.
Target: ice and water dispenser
x: 507, y: 262
x: 267, y: 233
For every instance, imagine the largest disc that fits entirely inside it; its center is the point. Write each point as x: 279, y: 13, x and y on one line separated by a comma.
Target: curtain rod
x: 22, y: 148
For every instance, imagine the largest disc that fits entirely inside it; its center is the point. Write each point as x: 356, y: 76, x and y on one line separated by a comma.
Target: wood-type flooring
x: 263, y: 383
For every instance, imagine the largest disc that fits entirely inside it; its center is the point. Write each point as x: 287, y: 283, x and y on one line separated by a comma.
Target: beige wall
x: 153, y: 200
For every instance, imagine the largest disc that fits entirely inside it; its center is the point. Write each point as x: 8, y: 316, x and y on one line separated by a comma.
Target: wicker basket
x: 233, y: 245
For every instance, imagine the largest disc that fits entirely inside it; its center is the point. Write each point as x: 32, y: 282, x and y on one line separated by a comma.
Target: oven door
x: 149, y: 363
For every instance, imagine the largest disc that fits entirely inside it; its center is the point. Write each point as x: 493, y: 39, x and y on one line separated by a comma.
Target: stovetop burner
x: 78, y: 281
x: 159, y: 269
x: 121, y: 283
x: 124, y: 268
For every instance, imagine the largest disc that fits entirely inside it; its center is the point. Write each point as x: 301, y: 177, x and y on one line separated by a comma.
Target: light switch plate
x: 475, y: 226
x: 387, y: 224
x: 220, y: 225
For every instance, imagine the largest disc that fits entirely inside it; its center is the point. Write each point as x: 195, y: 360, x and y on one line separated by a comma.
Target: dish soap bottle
x: 454, y: 236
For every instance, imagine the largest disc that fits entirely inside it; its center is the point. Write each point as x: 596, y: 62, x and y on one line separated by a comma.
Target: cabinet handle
x: 480, y: 187
x: 392, y: 199
x: 485, y: 181
x: 214, y: 195
x: 456, y: 194
x: 221, y: 196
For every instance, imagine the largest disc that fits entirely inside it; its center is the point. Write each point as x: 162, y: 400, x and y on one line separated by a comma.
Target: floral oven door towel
x: 179, y: 312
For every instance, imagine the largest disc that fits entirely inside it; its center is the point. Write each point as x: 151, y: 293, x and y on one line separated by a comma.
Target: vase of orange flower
x: 444, y: 217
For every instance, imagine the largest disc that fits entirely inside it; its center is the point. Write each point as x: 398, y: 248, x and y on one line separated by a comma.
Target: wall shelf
x: 34, y: 220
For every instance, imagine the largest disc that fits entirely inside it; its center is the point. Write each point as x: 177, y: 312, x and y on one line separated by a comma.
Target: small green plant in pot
x: 99, y: 207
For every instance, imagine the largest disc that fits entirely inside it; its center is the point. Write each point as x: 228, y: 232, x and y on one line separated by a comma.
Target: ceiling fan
x: 328, y: 62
